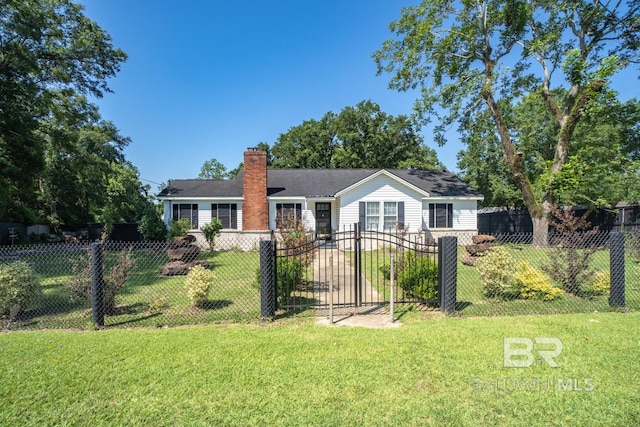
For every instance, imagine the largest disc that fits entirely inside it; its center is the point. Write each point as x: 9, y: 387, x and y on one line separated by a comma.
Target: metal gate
x: 357, y: 270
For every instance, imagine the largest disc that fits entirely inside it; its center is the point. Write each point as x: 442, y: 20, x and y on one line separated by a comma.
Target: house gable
x: 373, y: 177
x: 378, y: 189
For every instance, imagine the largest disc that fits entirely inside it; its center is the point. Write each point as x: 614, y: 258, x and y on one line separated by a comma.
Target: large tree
x: 85, y: 177
x: 476, y: 57
x: 358, y: 137
x: 602, y: 168
x: 47, y: 48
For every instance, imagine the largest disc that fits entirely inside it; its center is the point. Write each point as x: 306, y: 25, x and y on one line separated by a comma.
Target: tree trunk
x: 540, y: 231
x: 541, y: 225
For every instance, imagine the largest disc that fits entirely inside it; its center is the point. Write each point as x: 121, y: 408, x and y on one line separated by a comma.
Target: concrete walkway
x: 332, y: 269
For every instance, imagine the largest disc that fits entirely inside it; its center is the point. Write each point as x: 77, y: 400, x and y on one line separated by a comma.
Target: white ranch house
x: 433, y: 203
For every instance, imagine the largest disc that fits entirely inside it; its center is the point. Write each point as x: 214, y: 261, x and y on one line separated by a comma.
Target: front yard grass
x: 148, y: 299
x: 470, y: 300
x: 441, y: 371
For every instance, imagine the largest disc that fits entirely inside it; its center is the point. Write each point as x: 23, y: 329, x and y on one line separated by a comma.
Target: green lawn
x: 472, y: 302
x: 148, y: 298
x: 431, y: 371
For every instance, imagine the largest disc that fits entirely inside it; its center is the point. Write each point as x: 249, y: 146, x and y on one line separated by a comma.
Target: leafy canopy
x: 63, y: 165
x: 358, y: 137
x: 474, y: 61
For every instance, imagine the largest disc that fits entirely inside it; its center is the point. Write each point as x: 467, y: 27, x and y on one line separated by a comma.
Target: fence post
x: 447, y: 272
x: 97, y: 282
x: 357, y: 247
x: 267, y: 279
x: 616, y: 265
x: 391, y: 285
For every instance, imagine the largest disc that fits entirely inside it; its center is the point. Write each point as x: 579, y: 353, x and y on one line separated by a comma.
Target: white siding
x: 382, y: 189
x: 465, y: 214
x: 204, y: 214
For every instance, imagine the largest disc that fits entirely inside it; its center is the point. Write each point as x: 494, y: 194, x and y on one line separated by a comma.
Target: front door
x: 323, y: 220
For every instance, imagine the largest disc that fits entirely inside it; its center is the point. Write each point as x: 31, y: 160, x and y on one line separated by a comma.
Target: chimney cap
x: 254, y: 149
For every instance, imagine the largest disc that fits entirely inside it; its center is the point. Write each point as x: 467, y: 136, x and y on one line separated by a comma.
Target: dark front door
x: 323, y: 220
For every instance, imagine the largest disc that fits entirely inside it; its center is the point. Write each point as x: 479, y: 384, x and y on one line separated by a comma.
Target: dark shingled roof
x: 319, y: 183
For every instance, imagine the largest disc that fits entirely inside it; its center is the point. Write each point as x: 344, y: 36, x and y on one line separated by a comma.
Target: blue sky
x: 210, y: 78
x: 207, y: 79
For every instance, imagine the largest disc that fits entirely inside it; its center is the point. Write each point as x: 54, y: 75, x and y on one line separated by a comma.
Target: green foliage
x: 152, y: 227
x: 197, y: 284
x: 19, y: 286
x: 210, y: 231
x: 600, y: 283
x: 475, y: 66
x: 418, y: 276
x: 295, y: 254
x: 531, y: 283
x: 50, y: 56
x: 213, y: 169
x: 569, y: 265
x: 289, y: 277
x: 85, y: 177
x: 114, y: 280
x: 496, y: 269
x: 125, y: 199
x: 295, y: 239
x: 179, y: 228
x: 358, y: 137
x: 502, y: 277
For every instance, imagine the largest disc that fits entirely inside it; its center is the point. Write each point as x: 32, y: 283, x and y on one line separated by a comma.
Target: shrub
x: 534, y: 284
x: 496, y: 272
x: 569, y: 264
x: 198, y: 282
x: 19, y: 286
x: 179, y: 228
x: 79, y: 283
x: 600, y: 283
x: 288, y: 277
x: 295, y: 239
x: 152, y: 227
x: 418, y: 276
x: 210, y: 231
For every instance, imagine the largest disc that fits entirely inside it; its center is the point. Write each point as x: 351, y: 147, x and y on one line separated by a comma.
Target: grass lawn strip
x: 297, y: 373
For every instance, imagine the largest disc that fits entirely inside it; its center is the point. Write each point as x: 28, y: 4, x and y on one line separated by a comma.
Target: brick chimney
x: 255, y: 209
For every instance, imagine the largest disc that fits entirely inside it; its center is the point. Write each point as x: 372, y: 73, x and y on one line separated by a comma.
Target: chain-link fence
x: 574, y: 272
x: 143, y: 284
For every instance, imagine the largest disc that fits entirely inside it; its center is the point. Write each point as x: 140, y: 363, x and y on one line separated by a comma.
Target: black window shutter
x: 401, y: 214
x: 363, y: 213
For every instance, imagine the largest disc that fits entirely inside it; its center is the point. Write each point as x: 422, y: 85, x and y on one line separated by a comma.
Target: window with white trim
x: 440, y: 215
x: 289, y: 212
x: 226, y: 213
x: 381, y: 216
x: 373, y: 216
x: 390, y: 216
x: 186, y: 210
